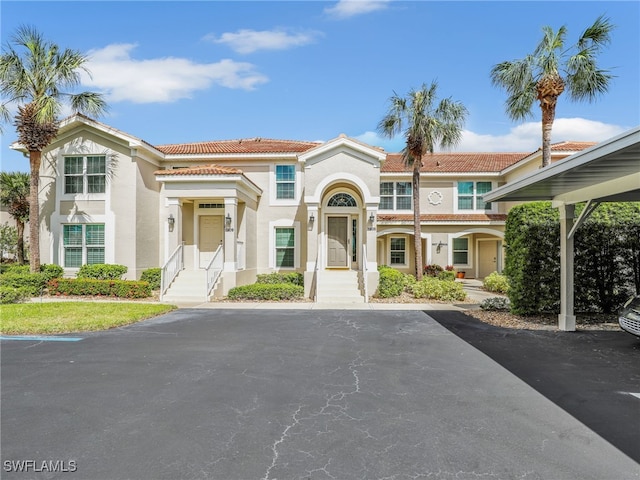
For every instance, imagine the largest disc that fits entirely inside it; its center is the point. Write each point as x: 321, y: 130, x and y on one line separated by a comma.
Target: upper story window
x: 395, y: 196
x: 86, y: 174
x: 285, y: 182
x: 470, y: 195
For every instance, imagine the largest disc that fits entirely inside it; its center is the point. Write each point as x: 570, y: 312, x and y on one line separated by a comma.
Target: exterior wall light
x: 227, y: 223
x: 171, y: 221
x: 312, y: 218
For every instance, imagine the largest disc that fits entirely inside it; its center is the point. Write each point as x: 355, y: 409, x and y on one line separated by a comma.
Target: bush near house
x: 391, y: 282
x: 266, y: 291
x: 153, y: 276
x: 433, y: 270
x: 17, y: 283
x: 293, y: 278
x: 436, y: 289
x: 607, y: 258
x: 94, y: 287
x: 495, y: 304
x: 496, y: 282
x: 102, y: 271
x: 14, y: 295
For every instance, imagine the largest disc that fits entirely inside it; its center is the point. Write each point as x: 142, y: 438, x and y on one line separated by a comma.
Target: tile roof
x: 450, y: 217
x: 240, y: 146
x: 455, y: 162
x: 201, y: 170
x: 570, y: 146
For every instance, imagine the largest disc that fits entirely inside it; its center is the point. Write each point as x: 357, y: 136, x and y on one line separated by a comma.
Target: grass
x: 67, y: 317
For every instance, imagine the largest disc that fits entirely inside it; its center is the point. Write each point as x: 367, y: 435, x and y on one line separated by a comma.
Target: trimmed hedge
x: 496, y: 282
x: 153, y: 276
x: 293, y: 278
x: 266, y: 291
x: 102, y: 271
x: 13, y: 295
x: 33, y: 283
x: 391, y: 282
x: 93, y: 287
x: 607, y: 258
x: 436, y: 289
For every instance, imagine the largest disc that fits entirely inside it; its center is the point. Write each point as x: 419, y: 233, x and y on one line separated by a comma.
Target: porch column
x: 313, y: 256
x: 230, y: 244
x: 171, y: 221
x: 372, y: 249
x: 566, y: 319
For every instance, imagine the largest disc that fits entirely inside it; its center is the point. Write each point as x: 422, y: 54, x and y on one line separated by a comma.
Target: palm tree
x: 423, y: 124
x: 14, y: 193
x: 549, y: 70
x: 35, y: 78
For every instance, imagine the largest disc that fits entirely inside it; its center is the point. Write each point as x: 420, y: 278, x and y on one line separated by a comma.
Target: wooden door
x: 337, y: 241
x: 487, y: 257
x: 209, y: 237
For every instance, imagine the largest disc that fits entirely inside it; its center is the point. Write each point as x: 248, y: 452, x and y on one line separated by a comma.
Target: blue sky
x: 176, y: 72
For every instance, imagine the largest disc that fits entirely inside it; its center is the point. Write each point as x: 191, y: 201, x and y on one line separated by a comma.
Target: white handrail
x: 214, y: 269
x: 171, y: 268
x: 364, y: 273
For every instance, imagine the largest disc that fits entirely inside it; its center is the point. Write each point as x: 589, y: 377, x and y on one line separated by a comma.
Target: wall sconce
x: 171, y: 221
x: 227, y: 223
x: 372, y: 220
x: 439, y: 246
x: 312, y: 218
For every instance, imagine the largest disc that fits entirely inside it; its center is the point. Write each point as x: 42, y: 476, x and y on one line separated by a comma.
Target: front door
x: 337, y: 244
x: 487, y: 257
x: 209, y: 237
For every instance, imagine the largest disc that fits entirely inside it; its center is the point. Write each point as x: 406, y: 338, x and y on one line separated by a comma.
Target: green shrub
x: 34, y: 283
x: 13, y: 295
x: 496, y: 304
x: 266, y: 291
x: 391, y: 283
x: 293, y: 278
x: 102, y: 271
x: 447, y: 276
x: 93, y: 287
x: 153, y: 276
x: 435, y: 289
x: 51, y: 271
x: 496, y: 282
x: 407, y: 281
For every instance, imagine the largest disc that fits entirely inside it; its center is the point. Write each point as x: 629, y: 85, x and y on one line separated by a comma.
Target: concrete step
x: 188, y: 286
x: 338, y: 286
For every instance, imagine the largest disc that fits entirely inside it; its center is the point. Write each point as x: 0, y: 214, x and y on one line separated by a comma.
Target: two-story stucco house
x: 221, y: 212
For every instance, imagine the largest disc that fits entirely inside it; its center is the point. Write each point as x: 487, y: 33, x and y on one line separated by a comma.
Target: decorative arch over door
x: 342, y: 200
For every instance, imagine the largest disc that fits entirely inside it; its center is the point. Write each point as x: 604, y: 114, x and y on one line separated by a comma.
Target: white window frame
x: 284, y: 223
x: 475, y: 197
x: 273, y: 186
x: 469, y: 260
x: 406, y: 253
x: 84, y: 194
x: 394, y: 196
x: 84, y: 246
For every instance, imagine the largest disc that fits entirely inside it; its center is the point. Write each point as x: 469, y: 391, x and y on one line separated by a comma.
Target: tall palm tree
x: 36, y: 78
x: 424, y: 125
x: 14, y: 193
x: 550, y: 70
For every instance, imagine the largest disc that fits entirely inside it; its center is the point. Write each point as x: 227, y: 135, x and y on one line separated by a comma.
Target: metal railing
x: 171, y: 268
x: 214, y: 269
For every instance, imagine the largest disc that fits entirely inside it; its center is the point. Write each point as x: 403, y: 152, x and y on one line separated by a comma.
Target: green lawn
x: 66, y: 317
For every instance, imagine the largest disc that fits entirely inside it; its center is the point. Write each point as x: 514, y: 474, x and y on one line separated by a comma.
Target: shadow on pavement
x: 590, y: 374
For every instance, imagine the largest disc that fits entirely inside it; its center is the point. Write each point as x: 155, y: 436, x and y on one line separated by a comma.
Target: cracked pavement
x: 292, y: 394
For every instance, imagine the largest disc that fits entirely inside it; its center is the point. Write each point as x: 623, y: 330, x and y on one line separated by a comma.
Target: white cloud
x: 351, y: 8
x: 123, y: 78
x: 249, y: 41
x: 522, y: 138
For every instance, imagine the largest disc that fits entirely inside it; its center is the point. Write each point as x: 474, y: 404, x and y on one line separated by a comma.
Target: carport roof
x: 606, y: 172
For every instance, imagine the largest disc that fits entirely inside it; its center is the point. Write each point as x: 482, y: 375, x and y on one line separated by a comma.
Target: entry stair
x: 190, y: 286
x: 338, y: 286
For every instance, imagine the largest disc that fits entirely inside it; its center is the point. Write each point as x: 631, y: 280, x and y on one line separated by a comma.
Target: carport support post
x: 566, y: 319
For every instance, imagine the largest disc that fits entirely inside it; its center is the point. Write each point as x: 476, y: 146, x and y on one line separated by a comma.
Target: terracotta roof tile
x: 241, y: 146
x: 570, y: 146
x: 451, y: 217
x: 201, y: 170
x: 455, y: 162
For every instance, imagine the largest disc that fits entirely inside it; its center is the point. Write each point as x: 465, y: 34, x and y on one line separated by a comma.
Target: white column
x: 566, y: 319
x: 230, y: 247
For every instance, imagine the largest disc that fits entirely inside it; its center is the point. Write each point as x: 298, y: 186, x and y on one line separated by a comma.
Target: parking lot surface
x: 293, y: 394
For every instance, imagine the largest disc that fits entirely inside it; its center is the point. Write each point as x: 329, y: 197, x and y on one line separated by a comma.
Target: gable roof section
x: 206, y: 173
x: 454, y: 162
x: 240, y: 146
x: 376, y: 155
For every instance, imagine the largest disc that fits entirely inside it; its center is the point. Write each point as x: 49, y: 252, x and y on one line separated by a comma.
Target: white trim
x: 406, y: 251
x: 317, y: 195
x: 284, y: 223
x: 286, y: 202
x: 493, y: 208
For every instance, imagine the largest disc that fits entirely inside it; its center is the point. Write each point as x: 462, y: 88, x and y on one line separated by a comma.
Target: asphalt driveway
x: 293, y: 394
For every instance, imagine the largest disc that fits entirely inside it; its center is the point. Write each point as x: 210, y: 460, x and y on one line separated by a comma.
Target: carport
x: 607, y: 172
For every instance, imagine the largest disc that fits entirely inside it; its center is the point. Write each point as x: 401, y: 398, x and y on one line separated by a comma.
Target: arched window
x: 342, y: 200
